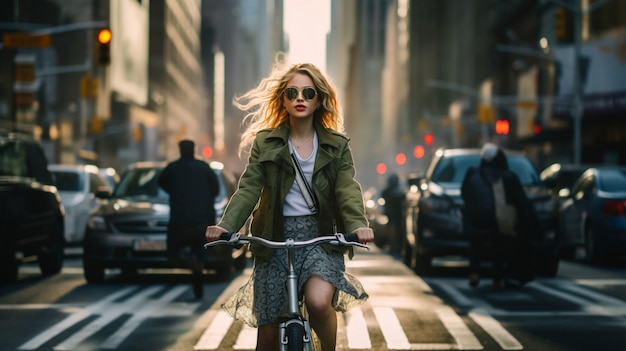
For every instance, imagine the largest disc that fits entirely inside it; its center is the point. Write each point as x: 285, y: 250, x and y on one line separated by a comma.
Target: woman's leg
x: 318, y: 296
x: 267, y: 338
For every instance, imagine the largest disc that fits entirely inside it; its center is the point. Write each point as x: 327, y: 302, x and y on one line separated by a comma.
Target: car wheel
x: 9, y: 266
x: 94, y: 273
x: 568, y: 253
x: 423, y: 264
x: 51, y: 257
x: 591, y: 251
x: 548, y: 265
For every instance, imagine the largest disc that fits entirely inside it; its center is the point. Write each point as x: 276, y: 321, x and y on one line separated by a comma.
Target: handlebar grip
x: 226, y: 236
x: 351, y: 237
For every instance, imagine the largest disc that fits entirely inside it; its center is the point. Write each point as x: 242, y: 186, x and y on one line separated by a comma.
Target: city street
x: 582, y: 308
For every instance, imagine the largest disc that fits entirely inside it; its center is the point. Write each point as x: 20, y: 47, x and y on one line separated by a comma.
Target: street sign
x: 25, y: 40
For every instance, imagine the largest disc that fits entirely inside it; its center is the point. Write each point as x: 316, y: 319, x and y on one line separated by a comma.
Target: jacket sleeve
x: 348, y: 192
x: 164, y: 179
x: 527, y: 218
x: 245, y: 198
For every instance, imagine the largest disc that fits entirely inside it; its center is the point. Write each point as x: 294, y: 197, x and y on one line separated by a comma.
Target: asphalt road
x: 584, y: 308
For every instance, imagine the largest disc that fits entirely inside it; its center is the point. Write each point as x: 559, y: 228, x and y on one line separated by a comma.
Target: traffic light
x: 400, y: 158
x: 561, y: 23
x: 503, y: 126
x: 418, y: 151
x: 103, y: 46
x: 429, y: 138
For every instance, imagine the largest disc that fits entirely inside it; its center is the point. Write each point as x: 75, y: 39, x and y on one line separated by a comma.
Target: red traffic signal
x: 503, y: 126
x: 418, y: 151
x: 103, y: 49
x: 429, y: 138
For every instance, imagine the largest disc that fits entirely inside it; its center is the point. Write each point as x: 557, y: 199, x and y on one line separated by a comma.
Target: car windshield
x: 13, y: 160
x: 451, y: 170
x: 68, y: 181
x: 141, y: 183
x: 569, y: 177
x: 613, y: 180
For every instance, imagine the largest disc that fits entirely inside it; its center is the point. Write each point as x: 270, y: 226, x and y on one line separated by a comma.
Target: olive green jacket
x: 270, y: 173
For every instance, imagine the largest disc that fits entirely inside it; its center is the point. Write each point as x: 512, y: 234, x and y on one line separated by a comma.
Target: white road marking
x: 107, y: 315
x: 464, y: 337
x: 246, y: 339
x: 212, y: 336
x: 495, y: 329
x: 72, y: 319
x: 356, y: 330
x: 131, y: 301
x: 391, y: 328
x: 138, y: 317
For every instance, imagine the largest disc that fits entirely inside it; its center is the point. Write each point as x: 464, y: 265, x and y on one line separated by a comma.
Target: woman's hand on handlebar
x: 213, y: 233
x: 365, y: 235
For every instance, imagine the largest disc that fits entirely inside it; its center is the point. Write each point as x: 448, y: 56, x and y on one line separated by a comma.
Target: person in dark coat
x: 511, y: 255
x: 394, y: 210
x: 192, y: 186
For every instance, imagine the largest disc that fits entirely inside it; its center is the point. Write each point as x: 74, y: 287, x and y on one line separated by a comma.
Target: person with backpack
x: 499, y: 220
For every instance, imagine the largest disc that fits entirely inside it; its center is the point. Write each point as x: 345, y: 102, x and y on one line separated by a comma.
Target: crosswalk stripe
x: 142, y: 314
x: 112, y: 312
x: 457, y: 328
x: 495, y: 329
x: 391, y: 328
x: 246, y: 339
x: 212, y: 336
x: 356, y: 330
x: 72, y: 319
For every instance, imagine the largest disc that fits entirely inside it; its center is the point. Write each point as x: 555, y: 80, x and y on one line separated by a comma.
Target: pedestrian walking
x: 394, y: 210
x: 499, y: 220
x: 192, y: 186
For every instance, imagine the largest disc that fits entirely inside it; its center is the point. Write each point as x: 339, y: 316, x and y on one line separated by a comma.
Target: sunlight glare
x: 307, y: 24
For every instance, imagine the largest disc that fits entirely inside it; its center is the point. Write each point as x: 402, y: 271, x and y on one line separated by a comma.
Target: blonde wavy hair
x: 264, y: 103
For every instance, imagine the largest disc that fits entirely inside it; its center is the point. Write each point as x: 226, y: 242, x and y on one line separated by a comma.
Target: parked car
x: 111, y: 176
x: 129, y: 231
x: 78, y: 185
x: 31, y: 212
x: 435, y: 209
x: 594, y: 214
x: 374, y: 210
x: 561, y: 177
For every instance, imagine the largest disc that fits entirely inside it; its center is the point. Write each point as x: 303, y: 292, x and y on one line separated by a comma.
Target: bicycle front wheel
x: 295, y: 337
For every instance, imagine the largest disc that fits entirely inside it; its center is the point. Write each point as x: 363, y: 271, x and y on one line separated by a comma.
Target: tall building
x: 247, y: 36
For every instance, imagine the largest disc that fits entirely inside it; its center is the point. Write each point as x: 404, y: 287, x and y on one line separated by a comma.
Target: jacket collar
x: 325, y: 137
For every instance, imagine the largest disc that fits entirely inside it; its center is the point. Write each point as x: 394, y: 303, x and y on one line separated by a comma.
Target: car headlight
x: 96, y: 223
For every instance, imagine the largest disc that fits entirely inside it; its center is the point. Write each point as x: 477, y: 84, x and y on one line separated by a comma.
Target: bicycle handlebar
x: 338, y: 239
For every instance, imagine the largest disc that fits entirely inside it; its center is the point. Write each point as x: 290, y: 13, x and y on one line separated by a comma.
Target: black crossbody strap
x: 304, y: 186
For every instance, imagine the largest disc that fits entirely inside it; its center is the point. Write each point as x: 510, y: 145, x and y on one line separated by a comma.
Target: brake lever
x: 233, y: 238
x: 342, y: 240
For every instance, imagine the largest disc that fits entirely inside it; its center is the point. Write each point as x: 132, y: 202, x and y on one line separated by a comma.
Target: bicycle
x: 295, y: 333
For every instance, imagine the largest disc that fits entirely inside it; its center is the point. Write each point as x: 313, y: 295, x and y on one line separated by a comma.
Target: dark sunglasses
x: 308, y: 93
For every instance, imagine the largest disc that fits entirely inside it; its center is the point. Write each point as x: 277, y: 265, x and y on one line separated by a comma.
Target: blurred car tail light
x: 614, y: 208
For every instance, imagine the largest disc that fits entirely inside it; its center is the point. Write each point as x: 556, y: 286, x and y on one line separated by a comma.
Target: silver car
x: 129, y: 231
x: 78, y: 185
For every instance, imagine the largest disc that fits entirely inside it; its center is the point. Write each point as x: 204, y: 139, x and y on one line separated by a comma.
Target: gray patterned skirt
x: 264, y: 297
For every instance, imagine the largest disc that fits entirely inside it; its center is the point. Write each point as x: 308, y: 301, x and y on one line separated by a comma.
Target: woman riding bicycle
x: 295, y: 111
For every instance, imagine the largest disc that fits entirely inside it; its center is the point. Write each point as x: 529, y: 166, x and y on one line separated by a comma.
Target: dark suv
x: 31, y: 213
x: 435, y: 209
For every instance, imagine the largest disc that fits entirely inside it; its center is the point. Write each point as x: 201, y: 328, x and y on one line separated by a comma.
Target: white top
x: 295, y: 205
